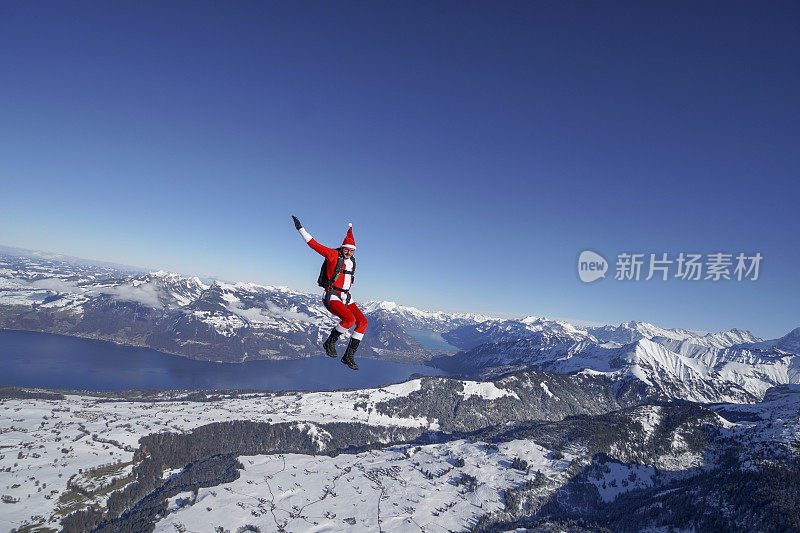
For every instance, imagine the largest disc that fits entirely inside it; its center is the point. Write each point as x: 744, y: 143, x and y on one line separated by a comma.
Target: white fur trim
x: 306, y: 235
x: 349, y: 246
x: 358, y: 336
x: 340, y: 329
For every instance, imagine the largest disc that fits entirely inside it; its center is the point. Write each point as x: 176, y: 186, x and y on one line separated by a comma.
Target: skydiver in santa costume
x: 336, y: 276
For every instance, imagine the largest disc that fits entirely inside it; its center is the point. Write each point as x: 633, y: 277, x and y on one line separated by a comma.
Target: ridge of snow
x: 486, y: 390
x: 372, y: 306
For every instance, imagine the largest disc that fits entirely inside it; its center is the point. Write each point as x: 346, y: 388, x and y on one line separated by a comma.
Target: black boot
x: 330, y: 343
x: 347, y: 358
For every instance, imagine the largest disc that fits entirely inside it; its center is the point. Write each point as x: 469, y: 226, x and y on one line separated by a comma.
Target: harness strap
x: 338, y: 270
x: 329, y: 293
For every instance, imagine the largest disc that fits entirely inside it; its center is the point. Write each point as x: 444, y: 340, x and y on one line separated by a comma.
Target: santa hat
x: 349, y: 241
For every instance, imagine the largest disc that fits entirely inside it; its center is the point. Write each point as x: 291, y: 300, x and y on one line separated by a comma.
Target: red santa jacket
x: 344, y: 281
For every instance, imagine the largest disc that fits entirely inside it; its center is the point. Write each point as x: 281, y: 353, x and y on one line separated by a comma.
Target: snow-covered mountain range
x: 732, y: 365
x: 182, y: 315
x: 235, y: 322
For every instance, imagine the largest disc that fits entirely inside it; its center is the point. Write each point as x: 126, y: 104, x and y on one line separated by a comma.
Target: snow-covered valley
x: 315, y: 464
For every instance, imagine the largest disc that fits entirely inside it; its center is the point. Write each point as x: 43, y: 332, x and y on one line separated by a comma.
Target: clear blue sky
x: 477, y: 148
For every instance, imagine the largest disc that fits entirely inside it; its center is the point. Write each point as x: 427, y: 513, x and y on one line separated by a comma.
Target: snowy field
x: 44, y: 444
x: 403, y: 488
x: 58, y: 456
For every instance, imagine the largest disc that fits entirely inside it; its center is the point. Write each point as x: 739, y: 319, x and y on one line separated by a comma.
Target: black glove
x: 297, y: 223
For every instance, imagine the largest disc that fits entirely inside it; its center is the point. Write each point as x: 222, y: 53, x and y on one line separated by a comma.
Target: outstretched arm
x: 317, y: 247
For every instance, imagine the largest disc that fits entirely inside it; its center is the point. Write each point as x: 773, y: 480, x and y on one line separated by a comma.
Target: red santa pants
x: 349, y: 314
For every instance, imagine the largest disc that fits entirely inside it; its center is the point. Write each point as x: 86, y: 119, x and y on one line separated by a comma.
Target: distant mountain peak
x: 164, y: 274
x: 385, y: 305
x: 789, y: 342
x: 531, y: 319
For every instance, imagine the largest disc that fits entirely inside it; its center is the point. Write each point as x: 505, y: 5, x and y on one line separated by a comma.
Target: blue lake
x: 432, y: 340
x: 32, y: 359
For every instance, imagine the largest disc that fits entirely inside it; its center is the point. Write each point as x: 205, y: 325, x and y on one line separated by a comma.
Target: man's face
x: 347, y: 252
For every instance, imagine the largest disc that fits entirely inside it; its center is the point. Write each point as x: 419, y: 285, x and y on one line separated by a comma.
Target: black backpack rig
x: 327, y: 283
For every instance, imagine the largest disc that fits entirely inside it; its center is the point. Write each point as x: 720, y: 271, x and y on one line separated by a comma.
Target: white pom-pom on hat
x: 350, y: 224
